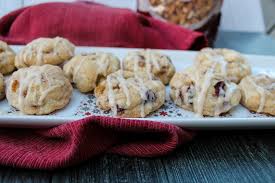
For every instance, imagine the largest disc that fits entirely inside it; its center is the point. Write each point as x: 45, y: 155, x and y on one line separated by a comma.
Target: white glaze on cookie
x: 39, y: 45
x: 111, y: 97
x: 217, y: 59
x: 136, y: 82
x: 150, y: 59
x: 29, y: 78
x: 203, y: 90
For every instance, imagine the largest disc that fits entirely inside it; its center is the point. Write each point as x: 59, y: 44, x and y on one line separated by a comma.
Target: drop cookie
x: 86, y: 71
x: 38, y: 89
x: 258, y: 93
x: 7, y: 57
x: 151, y: 62
x: 228, y: 63
x: 42, y: 51
x: 206, y: 95
x: 130, y: 94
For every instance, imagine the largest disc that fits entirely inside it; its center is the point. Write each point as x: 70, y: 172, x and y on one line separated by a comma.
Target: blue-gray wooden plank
x: 251, y: 43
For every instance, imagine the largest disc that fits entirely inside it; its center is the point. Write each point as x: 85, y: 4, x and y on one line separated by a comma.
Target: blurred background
x: 246, y: 23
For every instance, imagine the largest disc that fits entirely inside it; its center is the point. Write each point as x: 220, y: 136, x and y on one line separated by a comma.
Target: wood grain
x: 225, y: 156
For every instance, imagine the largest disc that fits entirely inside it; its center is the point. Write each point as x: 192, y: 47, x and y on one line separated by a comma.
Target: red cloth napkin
x: 93, y: 25
x: 90, y: 24
x: 74, y: 142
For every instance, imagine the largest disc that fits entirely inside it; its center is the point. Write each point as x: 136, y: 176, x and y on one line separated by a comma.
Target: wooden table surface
x: 213, y: 156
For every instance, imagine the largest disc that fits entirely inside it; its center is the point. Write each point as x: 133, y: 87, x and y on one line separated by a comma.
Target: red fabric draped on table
x: 88, y: 24
x: 91, y: 25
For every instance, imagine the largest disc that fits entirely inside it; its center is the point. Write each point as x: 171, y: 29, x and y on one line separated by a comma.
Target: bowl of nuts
x: 199, y: 15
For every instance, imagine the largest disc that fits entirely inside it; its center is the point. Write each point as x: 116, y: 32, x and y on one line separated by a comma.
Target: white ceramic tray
x: 83, y: 105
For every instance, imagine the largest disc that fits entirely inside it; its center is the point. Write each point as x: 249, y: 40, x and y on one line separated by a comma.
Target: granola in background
x: 200, y: 15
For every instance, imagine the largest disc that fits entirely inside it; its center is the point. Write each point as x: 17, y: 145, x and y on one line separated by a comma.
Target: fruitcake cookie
x: 42, y: 51
x: 39, y: 89
x: 2, y: 87
x: 215, y: 96
x: 258, y: 93
x: 86, y: 71
x: 209, y: 94
x: 152, y: 62
x: 183, y: 88
x: 7, y: 56
x: 228, y: 63
x: 130, y: 94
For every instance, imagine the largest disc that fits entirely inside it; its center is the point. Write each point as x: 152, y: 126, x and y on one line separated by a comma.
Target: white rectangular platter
x: 83, y: 105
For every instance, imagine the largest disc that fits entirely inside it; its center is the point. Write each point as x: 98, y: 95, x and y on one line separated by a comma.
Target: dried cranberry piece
x: 218, y: 86
x: 150, y: 96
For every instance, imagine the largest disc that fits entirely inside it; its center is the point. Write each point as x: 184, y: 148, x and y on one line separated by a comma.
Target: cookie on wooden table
x: 39, y: 89
x: 86, y: 71
x: 42, y: 51
x: 130, y: 94
x: 151, y: 62
x: 7, y: 57
x: 258, y: 93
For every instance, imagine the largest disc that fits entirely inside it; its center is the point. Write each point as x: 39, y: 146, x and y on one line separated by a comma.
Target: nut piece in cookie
x: 130, y: 94
x: 38, y: 89
x: 209, y: 94
x: 228, y: 63
x: 42, y: 51
x: 258, y: 93
x: 2, y: 87
x: 151, y: 62
x: 86, y: 71
x: 7, y: 57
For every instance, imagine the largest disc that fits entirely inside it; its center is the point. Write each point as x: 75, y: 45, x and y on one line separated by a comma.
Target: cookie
x: 42, y: 51
x: 183, y: 88
x: 228, y: 63
x: 130, y: 94
x: 39, y: 89
x: 7, y: 57
x: 151, y: 62
x: 209, y: 95
x: 258, y: 93
x: 86, y: 71
x: 2, y: 87
x: 215, y: 96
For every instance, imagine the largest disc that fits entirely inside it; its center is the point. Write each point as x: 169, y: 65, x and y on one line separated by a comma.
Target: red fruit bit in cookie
x: 218, y: 87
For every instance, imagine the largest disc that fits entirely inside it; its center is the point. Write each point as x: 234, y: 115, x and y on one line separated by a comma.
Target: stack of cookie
x: 134, y: 87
